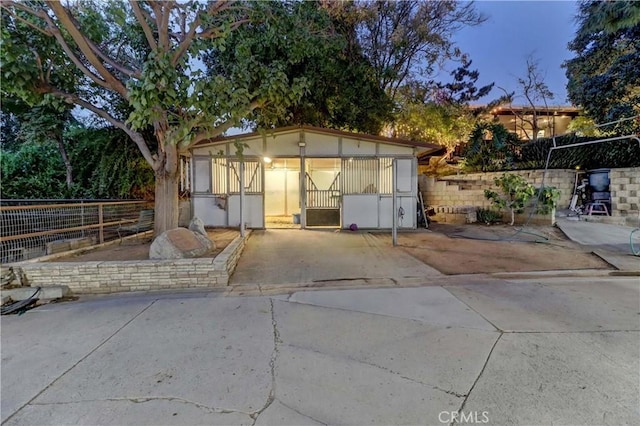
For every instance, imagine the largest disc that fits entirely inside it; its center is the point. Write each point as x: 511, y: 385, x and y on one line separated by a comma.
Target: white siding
x: 210, y: 211
x: 283, y: 145
x: 387, y: 149
x: 202, y: 172
x: 361, y: 210
x: 356, y: 147
x: 210, y: 150
x: 255, y: 147
x: 405, y: 175
x: 253, y: 212
x: 321, y: 145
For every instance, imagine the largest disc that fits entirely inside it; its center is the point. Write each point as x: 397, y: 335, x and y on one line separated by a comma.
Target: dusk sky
x: 515, y: 29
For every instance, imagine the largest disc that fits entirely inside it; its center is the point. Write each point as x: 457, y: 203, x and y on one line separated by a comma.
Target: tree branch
x: 137, y: 138
x: 76, y: 61
x: 162, y: 24
x: 67, y: 22
x: 184, y: 44
x: 144, y: 24
x: 214, y: 8
x: 208, y: 134
x: 124, y: 70
x: 25, y: 21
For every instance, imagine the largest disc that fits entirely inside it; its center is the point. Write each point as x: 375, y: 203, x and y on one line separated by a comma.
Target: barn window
x: 219, y: 176
x: 252, y: 177
x: 367, y: 175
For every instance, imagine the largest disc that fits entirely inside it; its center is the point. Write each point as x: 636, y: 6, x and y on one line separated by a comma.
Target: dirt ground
x: 471, y: 249
x: 138, y: 249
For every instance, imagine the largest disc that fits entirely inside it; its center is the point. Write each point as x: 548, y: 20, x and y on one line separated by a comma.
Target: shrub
x: 622, y: 153
x: 515, y: 191
x: 547, y: 199
x: 488, y: 216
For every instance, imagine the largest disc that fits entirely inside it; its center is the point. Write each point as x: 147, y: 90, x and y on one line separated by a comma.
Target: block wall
x: 624, y: 185
x: 468, y: 189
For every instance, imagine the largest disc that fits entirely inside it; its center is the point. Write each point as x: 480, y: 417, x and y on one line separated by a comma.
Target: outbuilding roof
x: 424, y: 147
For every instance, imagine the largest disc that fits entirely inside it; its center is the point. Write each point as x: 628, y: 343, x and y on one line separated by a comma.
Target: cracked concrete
x: 537, y: 351
x: 272, y: 366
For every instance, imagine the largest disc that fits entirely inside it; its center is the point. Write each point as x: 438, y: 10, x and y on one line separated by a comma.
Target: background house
x: 550, y: 121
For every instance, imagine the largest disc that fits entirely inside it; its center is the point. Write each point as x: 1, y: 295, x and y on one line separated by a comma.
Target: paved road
x: 556, y: 350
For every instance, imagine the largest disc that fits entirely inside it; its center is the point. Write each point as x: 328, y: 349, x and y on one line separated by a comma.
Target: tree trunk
x: 166, y: 203
x: 67, y: 163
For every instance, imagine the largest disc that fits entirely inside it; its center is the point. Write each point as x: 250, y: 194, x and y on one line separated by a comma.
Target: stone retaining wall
x: 453, y: 196
x: 468, y: 189
x: 137, y: 275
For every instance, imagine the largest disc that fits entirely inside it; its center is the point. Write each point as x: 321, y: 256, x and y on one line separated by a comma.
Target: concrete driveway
x: 503, y: 352
x: 295, y: 256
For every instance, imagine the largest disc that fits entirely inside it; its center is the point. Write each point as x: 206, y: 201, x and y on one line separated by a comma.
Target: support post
x: 394, y: 227
x: 101, y: 222
x: 303, y: 182
x: 242, y: 232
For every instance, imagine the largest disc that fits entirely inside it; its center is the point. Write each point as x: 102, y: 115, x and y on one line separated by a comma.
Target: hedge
x: 621, y: 153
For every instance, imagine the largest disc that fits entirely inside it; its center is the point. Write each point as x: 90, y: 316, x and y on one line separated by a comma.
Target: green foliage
x: 334, y: 84
x: 153, y: 65
x: 622, y: 153
x: 439, y: 113
x: 33, y: 171
x: 603, y: 76
x: 515, y: 191
x: 583, y: 126
x: 488, y: 216
x: 118, y: 171
x: 490, y: 148
x: 547, y: 197
x: 106, y: 165
x: 444, y: 124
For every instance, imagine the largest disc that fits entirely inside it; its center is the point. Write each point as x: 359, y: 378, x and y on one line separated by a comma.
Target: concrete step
x: 46, y: 293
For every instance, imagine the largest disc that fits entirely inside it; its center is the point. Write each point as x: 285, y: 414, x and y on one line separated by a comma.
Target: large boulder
x: 180, y: 243
x: 197, y: 225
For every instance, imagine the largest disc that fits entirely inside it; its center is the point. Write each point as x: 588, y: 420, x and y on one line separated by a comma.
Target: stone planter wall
x: 141, y: 275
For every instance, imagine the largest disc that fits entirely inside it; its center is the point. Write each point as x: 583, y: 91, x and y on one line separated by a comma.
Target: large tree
x: 408, y: 40
x: 603, y: 76
x: 345, y: 92
x: 144, y: 54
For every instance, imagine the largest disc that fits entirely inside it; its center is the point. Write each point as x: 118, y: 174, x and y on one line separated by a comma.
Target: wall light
x: 267, y: 160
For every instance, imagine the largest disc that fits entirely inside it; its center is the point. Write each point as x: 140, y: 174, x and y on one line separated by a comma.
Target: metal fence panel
x: 367, y: 176
x: 29, y: 231
x: 252, y: 177
x: 219, y: 176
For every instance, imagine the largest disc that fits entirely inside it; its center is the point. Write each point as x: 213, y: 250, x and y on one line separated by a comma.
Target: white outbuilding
x: 305, y: 176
